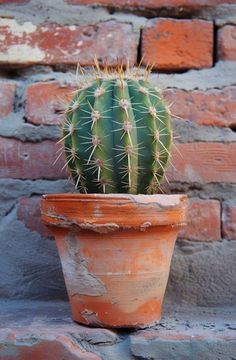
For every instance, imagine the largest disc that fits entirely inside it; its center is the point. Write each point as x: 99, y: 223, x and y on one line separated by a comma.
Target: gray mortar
x: 218, y: 191
x: 14, y: 127
x: 221, y: 75
x: 221, y: 15
x: 188, y: 131
x: 12, y: 189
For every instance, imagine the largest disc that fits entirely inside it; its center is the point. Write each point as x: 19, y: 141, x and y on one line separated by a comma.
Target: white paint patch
x: 72, y: 27
x: 110, y: 35
x: 22, y: 54
x: 2, y: 37
x: 17, y: 29
x: 80, y: 43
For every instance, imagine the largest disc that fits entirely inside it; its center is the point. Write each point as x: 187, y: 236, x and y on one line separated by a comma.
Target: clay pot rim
x: 110, y: 212
x: 143, y: 198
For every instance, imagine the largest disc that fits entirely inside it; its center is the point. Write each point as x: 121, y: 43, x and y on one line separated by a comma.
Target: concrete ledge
x: 44, y: 331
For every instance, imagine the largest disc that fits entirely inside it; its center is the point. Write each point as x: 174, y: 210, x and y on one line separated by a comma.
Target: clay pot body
x: 115, y: 252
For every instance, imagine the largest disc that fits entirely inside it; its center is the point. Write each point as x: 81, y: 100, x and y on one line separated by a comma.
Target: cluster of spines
x: 117, y: 135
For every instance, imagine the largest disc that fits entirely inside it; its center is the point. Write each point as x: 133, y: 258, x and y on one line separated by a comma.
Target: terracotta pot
x: 115, y: 252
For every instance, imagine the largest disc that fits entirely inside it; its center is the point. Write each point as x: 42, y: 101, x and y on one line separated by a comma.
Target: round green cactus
x: 117, y: 135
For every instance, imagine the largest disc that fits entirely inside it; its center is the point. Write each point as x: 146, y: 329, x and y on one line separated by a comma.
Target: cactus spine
x: 117, y: 135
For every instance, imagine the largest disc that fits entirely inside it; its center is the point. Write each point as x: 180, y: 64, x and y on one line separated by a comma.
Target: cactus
x: 117, y: 134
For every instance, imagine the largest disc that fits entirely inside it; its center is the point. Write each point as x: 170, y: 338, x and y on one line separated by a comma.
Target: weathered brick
x: 152, y: 4
x: 29, y: 212
x: 7, y: 95
x: 30, y: 160
x: 44, y: 347
x: 45, y: 102
x: 212, y: 107
x: 204, y: 163
x: 56, y: 44
x: 204, y: 223
x: 227, y: 42
x: 200, y: 162
x: 171, y: 44
x: 229, y: 220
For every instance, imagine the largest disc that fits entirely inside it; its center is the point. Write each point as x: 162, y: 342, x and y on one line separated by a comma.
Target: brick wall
x: 192, y: 46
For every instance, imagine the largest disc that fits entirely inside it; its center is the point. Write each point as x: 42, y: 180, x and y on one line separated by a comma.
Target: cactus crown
x: 117, y: 134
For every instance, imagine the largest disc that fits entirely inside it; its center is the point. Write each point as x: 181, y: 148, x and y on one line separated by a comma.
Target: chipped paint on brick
x: 22, y: 54
x: 17, y: 29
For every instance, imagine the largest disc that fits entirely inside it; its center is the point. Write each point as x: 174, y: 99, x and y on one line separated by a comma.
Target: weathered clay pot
x: 115, y: 252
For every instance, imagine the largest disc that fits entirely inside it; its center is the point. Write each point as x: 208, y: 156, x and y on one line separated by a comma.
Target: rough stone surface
x: 44, y: 330
x: 7, y: 95
x: 229, y: 220
x: 178, y: 44
x: 203, y: 220
x: 214, y: 107
x: 45, y: 103
x: 227, y: 42
x: 53, y: 44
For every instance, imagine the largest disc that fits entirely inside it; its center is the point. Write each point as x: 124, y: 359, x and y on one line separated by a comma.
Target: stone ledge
x: 44, y: 330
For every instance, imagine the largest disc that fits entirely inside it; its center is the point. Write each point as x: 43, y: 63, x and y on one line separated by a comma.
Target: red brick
x: 47, y: 348
x: 29, y: 160
x: 229, y: 220
x: 44, y: 102
x: 200, y: 162
x: 171, y: 44
x: 203, y: 163
x: 204, y: 223
x: 212, y: 107
x: 7, y: 95
x: 227, y: 42
x: 56, y: 44
x: 152, y: 4
x: 29, y: 212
